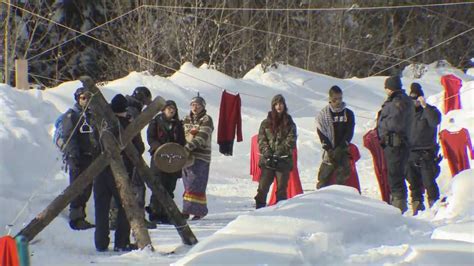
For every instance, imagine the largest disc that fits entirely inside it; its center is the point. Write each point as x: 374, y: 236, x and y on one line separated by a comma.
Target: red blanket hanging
x: 371, y: 142
x: 294, y: 183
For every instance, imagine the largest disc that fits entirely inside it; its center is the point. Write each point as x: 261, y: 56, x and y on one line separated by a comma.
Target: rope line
x: 84, y: 33
x: 353, y: 7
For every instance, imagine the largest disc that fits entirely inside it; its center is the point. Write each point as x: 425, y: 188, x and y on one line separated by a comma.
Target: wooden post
x: 5, y: 54
x: 166, y: 202
x: 103, y: 116
x: 45, y: 217
x: 144, y: 171
x: 21, y: 74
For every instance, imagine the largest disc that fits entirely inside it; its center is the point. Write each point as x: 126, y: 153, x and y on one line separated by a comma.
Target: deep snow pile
x: 330, y: 226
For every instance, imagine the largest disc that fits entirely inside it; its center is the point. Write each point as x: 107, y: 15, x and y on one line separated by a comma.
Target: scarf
x: 324, y: 121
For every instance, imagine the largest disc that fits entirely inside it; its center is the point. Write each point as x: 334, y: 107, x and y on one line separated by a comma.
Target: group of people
x: 407, y: 131
x: 83, y: 146
x: 406, y: 126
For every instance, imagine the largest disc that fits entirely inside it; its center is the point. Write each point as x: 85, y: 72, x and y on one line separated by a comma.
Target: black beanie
x: 416, y: 89
x: 393, y: 83
x: 119, y: 104
x: 170, y: 103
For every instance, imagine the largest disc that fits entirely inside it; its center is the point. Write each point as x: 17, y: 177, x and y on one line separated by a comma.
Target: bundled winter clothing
x: 294, y: 183
x: 335, y: 128
x: 198, y: 130
x: 422, y: 160
x: 394, y: 124
x: 276, y: 141
x: 161, y: 131
x: 230, y: 123
x: 80, y: 152
x: 105, y: 189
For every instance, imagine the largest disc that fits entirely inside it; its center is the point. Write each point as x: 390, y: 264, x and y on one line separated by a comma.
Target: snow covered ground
x: 334, y: 225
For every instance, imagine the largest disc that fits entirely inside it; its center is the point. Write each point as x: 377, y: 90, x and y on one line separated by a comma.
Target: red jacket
x: 454, y: 149
x: 230, y: 122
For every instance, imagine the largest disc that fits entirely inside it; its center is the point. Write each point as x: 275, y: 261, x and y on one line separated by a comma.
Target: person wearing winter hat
x: 164, y: 128
x: 80, y: 151
x: 276, y: 141
x: 121, y: 107
x: 198, y: 128
x: 105, y: 189
x: 394, y: 124
x: 423, y: 160
x: 141, y: 96
x: 335, y: 127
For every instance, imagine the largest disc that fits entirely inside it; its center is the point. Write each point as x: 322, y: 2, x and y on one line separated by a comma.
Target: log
x: 45, y: 217
x: 168, y: 204
x: 102, y: 119
x: 164, y: 199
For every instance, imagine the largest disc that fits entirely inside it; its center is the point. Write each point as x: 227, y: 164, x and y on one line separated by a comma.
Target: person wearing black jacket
x: 335, y: 128
x: 140, y: 97
x: 422, y: 161
x: 81, y: 150
x: 164, y: 128
x: 105, y: 189
x: 394, y: 124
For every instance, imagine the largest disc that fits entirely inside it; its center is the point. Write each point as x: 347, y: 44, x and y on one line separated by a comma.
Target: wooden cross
x: 102, y: 115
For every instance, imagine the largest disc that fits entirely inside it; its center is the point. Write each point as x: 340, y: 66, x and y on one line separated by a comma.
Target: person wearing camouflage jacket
x: 276, y: 141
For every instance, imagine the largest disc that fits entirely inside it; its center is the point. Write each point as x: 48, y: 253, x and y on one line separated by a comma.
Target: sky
x: 335, y: 225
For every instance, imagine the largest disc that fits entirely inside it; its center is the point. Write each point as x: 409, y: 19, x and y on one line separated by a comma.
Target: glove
x: 326, y: 147
x: 268, y: 154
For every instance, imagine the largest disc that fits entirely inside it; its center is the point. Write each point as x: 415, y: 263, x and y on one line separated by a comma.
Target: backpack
x: 58, y: 136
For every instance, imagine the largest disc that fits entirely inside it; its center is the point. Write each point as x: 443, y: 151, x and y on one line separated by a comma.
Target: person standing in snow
x: 394, y: 124
x: 140, y: 97
x: 164, y: 128
x: 335, y: 127
x: 422, y: 161
x: 105, y: 189
x: 80, y: 152
x: 198, y: 128
x: 276, y: 141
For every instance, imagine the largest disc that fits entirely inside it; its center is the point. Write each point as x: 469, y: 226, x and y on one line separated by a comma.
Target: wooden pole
x: 21, y: 74
x: 105, y: 120
x: 164, y: 199
x: 144, y: 171
x: 45, y: 217
x: 6, y: 69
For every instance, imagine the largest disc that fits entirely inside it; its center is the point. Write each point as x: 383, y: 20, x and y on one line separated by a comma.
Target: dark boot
x: 400, y: 203
x: 80, y: 224
x: 260, y: 205
x: 417, y: 206
x: 431, y: 202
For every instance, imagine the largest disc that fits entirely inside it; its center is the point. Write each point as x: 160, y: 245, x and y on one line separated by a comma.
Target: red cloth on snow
x: 452, y: 98
x: 454, y: 149
x: 8, y: 252
x: 230, y: 122
x: 371, y: 142
x: 294, y: 184
x: 353, y: 180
